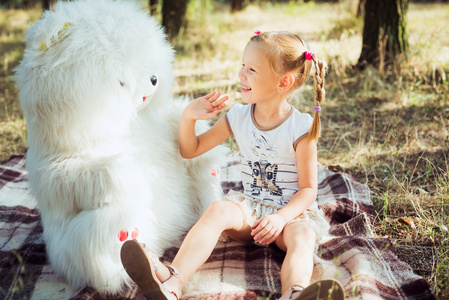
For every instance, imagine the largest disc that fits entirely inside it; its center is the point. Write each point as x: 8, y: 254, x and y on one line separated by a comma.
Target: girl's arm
x: 306, y: 161
x: 203, y: 108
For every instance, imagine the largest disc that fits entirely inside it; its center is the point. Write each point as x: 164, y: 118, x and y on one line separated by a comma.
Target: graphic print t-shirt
x: 269, y: 169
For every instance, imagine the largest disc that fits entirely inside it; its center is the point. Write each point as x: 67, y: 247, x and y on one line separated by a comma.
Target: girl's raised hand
x: 206, y: 107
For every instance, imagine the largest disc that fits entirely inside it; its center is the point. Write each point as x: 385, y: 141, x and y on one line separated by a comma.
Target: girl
x: 279, y: 174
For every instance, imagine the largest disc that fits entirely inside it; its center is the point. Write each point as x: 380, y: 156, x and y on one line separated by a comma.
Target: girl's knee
x: 300, y: 234
x: 219, y: 210
x: 225, y: 214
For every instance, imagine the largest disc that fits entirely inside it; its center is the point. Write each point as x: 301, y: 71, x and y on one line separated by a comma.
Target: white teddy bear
x: 103, y: 161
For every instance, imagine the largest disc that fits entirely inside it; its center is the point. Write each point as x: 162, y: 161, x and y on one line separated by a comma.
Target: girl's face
x: 259, y: 82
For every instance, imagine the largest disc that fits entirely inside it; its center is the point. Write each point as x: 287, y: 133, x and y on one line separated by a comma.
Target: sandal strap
x: 297, y: 288
x: 288, y: 294
x: 172, y: 283
x: 173, y: 271
x: 296, y: 291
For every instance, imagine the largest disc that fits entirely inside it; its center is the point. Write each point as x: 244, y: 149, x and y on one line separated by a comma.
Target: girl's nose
x: 241, y: 74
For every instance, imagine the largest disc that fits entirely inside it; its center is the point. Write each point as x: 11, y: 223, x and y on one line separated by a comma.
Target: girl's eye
x: 251, y: 69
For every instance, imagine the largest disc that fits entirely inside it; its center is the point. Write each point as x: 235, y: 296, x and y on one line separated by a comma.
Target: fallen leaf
x: 406, y: 221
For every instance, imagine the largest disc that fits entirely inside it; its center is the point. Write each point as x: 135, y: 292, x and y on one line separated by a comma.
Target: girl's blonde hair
x: 286, y: 52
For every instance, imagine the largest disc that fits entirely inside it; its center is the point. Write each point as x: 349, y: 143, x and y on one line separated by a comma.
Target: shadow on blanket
x: 367, y: 266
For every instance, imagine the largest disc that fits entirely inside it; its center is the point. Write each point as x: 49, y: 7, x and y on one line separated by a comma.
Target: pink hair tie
x: 308, y: 55
x: 257, y: 32
x: 317, y: 108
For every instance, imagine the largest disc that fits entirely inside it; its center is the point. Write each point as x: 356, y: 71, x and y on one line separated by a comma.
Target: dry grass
x: 389, y: 129
x: 12, y: 124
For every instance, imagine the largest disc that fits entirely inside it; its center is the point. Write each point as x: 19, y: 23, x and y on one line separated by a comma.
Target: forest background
x: 386, y: 125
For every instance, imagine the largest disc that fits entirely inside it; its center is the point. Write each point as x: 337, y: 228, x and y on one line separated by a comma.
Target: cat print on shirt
x: 264, y: 172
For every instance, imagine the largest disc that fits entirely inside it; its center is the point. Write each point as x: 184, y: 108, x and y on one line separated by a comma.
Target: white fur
x: 100, y: 159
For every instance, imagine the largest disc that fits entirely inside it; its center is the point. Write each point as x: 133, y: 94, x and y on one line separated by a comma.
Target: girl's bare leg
x: 202, y: 238
x: 298, y: 241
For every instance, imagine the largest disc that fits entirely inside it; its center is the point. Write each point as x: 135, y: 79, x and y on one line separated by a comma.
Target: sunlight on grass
x: 13, y: 137
x: 13, y: 24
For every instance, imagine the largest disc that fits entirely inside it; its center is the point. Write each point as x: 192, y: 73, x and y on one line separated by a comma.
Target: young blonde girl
x: 279, y: 174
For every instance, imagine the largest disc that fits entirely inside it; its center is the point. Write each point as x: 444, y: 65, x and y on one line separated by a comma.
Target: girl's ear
x: 286, y: 82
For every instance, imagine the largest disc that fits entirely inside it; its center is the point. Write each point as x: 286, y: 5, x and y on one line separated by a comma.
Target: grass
x: 388, y: 128
x: 13, y: 24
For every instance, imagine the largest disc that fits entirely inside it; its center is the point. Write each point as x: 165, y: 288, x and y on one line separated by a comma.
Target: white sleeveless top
x: 269, y: 169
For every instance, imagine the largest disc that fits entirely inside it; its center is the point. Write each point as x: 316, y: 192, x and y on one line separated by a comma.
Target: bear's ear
x: 62, y: 34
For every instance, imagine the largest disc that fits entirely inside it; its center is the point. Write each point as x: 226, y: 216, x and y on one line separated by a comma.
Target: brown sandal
x: 141, y: 264
x: 328, y: 289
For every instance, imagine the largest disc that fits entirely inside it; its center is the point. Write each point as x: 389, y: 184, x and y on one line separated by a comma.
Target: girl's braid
x: 320, y: 73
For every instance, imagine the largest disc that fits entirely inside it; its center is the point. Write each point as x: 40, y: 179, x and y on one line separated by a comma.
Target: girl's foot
x: 328, y: 289
x: 141, y: 264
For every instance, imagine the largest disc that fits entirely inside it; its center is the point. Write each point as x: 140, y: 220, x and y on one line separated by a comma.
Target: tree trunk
x: 360, y: 8
x: 396, y: 28
x: 153, y: 6
x: 46, y: 4
x: 384, y: 32
x: 237, y: 5
x: 173, y: 15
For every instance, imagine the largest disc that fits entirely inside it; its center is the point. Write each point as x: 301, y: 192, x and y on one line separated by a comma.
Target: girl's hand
x: 206, y: 107
x: 267, y: 229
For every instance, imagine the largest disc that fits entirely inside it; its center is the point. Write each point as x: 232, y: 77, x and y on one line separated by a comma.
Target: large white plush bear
x: 95, y: 85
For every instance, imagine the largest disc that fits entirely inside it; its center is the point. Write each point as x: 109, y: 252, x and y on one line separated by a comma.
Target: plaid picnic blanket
x: 367, y: 267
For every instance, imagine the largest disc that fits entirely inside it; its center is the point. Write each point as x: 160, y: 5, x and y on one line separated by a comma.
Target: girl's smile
x: 245, y: 89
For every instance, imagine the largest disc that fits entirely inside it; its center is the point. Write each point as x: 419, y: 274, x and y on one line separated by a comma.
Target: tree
x: 237, y: 5
x: 173, y: 15
x: 385, y: 35
x: 46, y: 4
x: 153, y: 6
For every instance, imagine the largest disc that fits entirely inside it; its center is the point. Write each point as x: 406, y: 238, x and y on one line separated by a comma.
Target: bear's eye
x: 121, y: 83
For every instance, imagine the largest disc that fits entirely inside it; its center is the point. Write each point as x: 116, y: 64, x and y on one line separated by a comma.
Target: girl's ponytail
x: 320, y: 72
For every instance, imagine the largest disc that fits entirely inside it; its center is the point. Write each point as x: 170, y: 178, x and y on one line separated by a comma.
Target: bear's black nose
x: 153, y: 80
